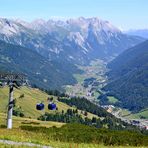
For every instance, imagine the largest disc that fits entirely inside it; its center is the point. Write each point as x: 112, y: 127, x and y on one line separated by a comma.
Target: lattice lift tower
x: 12, y: 80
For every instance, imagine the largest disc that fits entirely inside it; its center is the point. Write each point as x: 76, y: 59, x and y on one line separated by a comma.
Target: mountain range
x: 61, y: 45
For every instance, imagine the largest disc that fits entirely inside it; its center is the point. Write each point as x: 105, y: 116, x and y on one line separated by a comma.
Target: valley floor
x: 96, y: 70
x: 85, y: 87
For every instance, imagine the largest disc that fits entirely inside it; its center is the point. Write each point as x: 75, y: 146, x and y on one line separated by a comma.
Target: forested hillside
x: 128, y: 78
x: 39, y: 70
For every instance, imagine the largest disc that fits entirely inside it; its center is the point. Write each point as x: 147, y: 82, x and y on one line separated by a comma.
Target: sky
x: 125, y: 14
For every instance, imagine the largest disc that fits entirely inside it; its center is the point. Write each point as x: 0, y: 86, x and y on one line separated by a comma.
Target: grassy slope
x: 23, y: 135
x: 16, y: 134
x: 18, y: 121
x: 28, y: 103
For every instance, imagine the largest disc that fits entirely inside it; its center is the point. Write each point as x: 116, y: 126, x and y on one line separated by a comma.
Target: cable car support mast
x: 12, y: 80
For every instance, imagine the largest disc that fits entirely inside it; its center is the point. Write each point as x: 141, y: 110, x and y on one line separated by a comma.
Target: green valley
x: 70, y: 78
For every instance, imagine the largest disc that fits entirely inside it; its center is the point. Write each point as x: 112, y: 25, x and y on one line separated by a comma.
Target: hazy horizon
x: 124, y: 14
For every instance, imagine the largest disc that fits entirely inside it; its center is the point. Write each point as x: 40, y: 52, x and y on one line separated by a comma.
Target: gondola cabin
x: 52, y: 106
x: 40, y: 106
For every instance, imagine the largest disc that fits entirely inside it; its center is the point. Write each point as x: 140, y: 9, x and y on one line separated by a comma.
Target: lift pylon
x: 12, y: 80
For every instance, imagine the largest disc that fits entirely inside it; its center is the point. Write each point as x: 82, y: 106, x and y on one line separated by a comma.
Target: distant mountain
x: 128, y: 77
x: 39, y: 70
x: 141, y: 32
x: 48, y: 51
x: 77, y: 40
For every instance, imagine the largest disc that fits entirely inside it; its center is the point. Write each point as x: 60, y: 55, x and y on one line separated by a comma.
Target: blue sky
x: 126, y: 14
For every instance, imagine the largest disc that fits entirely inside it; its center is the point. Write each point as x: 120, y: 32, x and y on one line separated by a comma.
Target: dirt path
x: 23, y: 143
